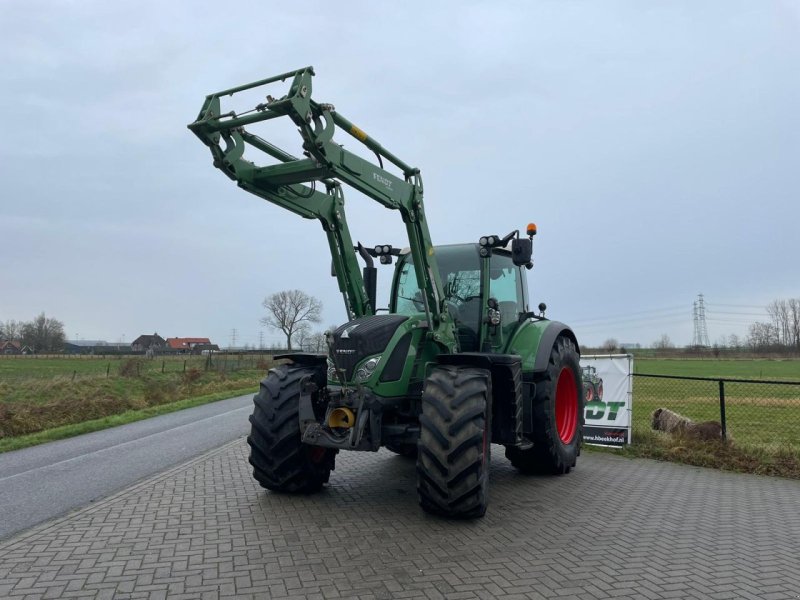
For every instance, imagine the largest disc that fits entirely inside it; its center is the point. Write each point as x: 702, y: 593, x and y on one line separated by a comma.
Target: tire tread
x: 452, y: 471
x: 280, y: 460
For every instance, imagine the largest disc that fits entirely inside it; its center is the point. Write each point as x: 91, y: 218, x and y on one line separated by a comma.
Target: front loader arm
x: 302, y: 200
x: 328, y: 208
x: 284, y: 184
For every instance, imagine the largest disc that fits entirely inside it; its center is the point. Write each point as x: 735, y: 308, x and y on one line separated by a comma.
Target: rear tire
x: 558, y: 413
x: 455, y: 442
x: 281, y: 462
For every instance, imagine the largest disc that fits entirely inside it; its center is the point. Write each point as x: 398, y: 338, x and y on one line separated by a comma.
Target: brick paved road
x: 613, y: 528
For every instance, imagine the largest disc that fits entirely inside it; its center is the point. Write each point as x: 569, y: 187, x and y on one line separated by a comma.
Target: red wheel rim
x: 566, y: 405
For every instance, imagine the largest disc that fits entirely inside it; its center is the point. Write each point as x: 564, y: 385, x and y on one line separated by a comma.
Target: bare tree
x: 43, y: 334
x: 663, y: 343
x: 610, y: 345
x: 778, y: 310
x: 290, y: 311
x: 302, y: 334
x: 317, y: 342
x: 10, y: 330
x: 734, y: 342
x: 762, y: 336
x: 794, y: 322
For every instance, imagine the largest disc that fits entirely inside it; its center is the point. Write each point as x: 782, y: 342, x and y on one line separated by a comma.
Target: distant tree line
x: 781, y: 332
x: 42, y: 334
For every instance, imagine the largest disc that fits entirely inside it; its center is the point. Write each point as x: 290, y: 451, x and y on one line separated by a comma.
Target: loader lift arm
x: 285, y: 184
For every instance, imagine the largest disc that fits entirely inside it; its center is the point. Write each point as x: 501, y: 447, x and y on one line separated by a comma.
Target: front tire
x: 281, y: 461
x: 455, y: 441
x: 558, y: 414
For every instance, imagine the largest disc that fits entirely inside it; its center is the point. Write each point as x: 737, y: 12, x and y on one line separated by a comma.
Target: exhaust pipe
x: 341, y: 417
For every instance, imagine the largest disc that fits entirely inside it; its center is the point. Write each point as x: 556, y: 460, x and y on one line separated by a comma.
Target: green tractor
x: 457, y: 363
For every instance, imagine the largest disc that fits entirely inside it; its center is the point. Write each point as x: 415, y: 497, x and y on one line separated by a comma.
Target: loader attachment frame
x: 291, y: 184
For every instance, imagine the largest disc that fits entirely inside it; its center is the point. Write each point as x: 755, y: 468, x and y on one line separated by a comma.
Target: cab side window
x: 505, y: 287
x: 409, y: 296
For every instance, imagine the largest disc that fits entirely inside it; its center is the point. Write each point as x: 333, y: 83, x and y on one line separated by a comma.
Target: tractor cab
x: 468, y: 304
x: 483, y: 321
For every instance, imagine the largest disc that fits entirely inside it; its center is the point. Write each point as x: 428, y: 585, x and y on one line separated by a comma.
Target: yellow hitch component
x: 341, y: 417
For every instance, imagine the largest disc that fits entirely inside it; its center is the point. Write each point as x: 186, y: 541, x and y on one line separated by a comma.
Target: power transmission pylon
x: 700, y: 338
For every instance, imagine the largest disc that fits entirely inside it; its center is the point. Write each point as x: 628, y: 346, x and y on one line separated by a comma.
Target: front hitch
x: 354, y: 437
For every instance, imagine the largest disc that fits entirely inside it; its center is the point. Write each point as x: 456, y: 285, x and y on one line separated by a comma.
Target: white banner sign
x: 608, y: 388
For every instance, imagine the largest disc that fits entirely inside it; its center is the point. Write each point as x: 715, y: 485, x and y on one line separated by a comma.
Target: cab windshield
x: 460, y: 272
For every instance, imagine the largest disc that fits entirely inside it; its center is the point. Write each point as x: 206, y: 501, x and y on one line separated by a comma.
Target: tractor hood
x: 360, y: 338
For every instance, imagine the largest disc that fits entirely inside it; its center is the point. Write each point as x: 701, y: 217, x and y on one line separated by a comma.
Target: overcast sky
x: 655, y: 144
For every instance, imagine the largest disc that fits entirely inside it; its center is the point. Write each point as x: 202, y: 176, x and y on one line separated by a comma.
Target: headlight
x: 365, y: 371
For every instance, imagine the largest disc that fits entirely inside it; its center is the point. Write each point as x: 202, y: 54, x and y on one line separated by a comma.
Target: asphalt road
x: 43, y: 482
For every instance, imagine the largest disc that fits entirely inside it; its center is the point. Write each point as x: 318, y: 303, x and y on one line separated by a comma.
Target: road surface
x: 42, y: 482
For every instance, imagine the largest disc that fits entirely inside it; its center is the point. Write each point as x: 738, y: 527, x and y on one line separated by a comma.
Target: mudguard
x: 548, y: 340
x: 305, y: 359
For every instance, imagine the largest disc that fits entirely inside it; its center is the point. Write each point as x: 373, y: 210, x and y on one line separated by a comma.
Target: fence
x: 751, y: 411
x: 19, y: 369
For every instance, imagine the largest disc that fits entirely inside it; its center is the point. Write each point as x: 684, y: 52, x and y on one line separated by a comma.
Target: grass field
x: 42, y: 397
x: 768, y: 416
x: 762, y: 414
x: 14, y: 368
x: 129, y: 416
x: 763, y: 420
x: 49, y: 398
x: 741, y: 369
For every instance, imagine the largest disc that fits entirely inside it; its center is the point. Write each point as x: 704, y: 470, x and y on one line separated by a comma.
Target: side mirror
x: 521, y: 251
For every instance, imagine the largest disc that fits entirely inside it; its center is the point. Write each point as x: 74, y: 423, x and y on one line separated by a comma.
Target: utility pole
x: 260, y: 340
x: 233, y: 337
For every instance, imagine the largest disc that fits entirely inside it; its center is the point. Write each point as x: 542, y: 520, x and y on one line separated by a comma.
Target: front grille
x: 354, y: 341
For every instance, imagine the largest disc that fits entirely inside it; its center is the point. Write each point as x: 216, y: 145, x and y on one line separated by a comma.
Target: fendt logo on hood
x: 346, y: 333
